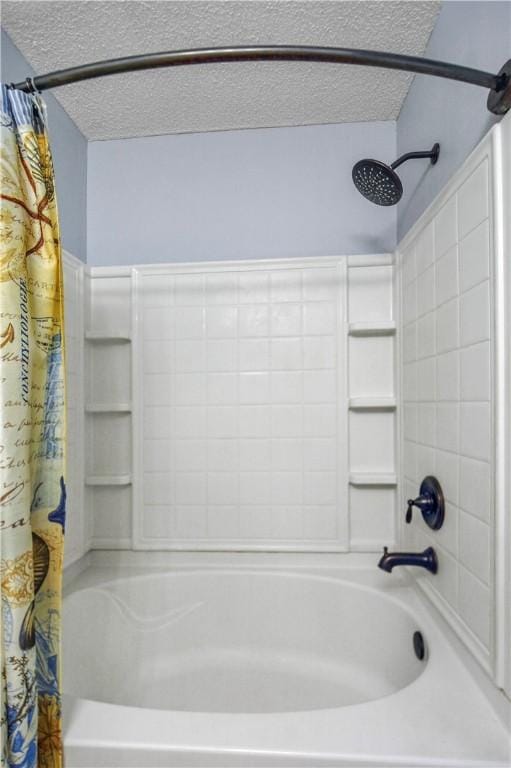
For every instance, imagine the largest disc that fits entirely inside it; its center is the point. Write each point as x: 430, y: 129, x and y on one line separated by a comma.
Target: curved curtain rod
x: 499, y: 99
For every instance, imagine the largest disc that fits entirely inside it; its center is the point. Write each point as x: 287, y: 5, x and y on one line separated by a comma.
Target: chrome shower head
x: 379, y: 182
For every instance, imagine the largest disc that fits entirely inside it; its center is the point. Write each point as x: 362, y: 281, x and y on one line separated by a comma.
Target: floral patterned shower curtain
x: 32, y: 489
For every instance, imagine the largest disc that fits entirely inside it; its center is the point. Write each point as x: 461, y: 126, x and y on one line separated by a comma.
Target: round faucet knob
x: 430, y: 502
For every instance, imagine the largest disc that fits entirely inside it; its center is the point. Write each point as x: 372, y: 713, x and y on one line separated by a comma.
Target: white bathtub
x: 254, y: 666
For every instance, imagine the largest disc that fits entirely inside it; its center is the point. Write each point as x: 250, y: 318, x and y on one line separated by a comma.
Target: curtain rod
x: 499, y: 98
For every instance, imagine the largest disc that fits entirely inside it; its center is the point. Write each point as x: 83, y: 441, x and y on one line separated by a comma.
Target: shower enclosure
x: 286, y: 408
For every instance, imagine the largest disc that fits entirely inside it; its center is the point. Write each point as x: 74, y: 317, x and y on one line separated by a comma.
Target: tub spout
x: 426, y: 559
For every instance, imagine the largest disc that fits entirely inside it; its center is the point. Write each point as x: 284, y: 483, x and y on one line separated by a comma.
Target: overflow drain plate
x: 419, y: 645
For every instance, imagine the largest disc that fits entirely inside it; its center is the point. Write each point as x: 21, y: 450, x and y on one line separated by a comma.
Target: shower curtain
x: 32, y: 488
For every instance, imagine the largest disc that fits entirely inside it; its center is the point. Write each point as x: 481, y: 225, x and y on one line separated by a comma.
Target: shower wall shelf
x: 372, y: 403
x: 108, y: 480
x: 108, y: 408
x: 372, y: 478
x: 110, y: 338
x: 372, y: 328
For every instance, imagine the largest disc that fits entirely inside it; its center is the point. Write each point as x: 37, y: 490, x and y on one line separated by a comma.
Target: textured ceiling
x: 54, y: 35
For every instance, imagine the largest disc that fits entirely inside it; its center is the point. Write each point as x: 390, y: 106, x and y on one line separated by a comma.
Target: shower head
x: 379, y: 182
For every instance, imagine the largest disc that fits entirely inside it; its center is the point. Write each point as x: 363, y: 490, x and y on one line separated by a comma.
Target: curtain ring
x: 31, y: 85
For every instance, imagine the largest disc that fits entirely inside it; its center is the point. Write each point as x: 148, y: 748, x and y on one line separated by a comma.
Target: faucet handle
x: 430, y: 502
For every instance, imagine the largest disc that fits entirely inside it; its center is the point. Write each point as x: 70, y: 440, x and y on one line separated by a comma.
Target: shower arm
x: 432, y: 153
x: 499, y: 98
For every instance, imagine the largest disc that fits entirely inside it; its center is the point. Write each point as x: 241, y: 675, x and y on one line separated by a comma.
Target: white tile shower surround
x: 246, y: 386
x: 243, y: 403
x: 240, y: 385
x: 448, y: 267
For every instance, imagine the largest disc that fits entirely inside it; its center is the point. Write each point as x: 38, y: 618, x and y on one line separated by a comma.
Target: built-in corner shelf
x: 372, y: 403
x: 110, y: 338
x: 108, y: 408
x: 372, y: 328
x: 372, y: 478
x: 108, y: 480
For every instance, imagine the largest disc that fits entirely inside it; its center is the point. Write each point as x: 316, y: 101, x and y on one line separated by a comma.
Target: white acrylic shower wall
x: 252, y: 405
x: 243, y: 406
x: 76, y: 542
x: 453, y: 332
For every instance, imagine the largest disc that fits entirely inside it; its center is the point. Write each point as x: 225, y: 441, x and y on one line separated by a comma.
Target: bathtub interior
x: 236, y: 642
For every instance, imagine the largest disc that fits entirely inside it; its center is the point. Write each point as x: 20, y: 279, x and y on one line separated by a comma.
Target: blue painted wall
x: 275, y: 192
x: 69, y: 149
x: 476, y: 34
x: 269, y: 193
